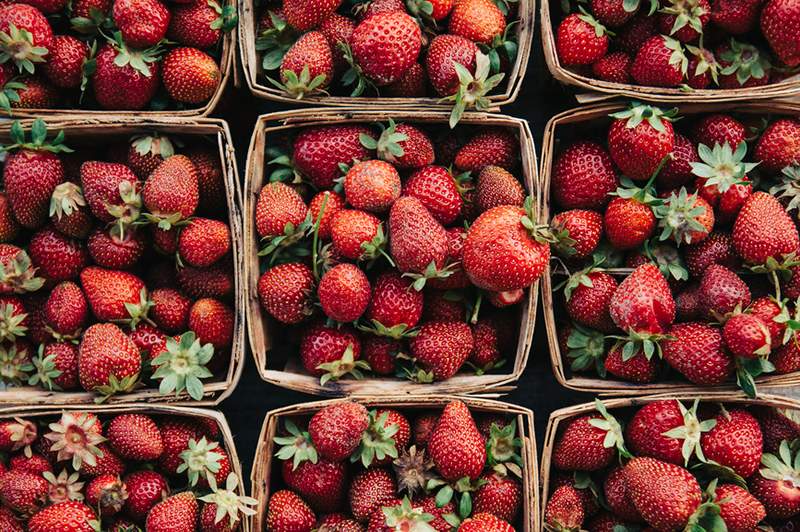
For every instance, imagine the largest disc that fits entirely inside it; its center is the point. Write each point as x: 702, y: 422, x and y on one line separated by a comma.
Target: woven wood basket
x: 599, y: 89
x: 590, y: 118
x: 264, y: 461
x: 151, y: 409
x: 260, y: 86
x: 261, y: 326
x: 561, y: 416
x: 104, y: 130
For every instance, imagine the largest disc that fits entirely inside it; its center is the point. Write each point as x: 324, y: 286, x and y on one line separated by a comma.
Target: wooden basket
x: 592, y: 116
x: 151, y: 409
x: 559, y: 417
x: 260, y: 87
x: 260, y: 324
x: 600, y: 89
x: 264, y: 460
x: 109, y: 128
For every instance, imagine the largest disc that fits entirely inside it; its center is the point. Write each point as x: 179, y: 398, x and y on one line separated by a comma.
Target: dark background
x: 541, y: 98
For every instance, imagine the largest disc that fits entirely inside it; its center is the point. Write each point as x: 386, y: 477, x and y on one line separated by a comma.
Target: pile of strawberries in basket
x: 691, y: 44
x: 455, y: 49
x: 112, y: 55
x: 677, y: 467
x: 91, y: 295
x: 712, y: 239
x: 353, y: 468
x: 124, y: 473
x: 432, y: 290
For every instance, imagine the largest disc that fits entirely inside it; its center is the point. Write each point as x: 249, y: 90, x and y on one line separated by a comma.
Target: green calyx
x: 38, y: 139
x: 19, y: 275
x: 637, y: 112
x: 748, y: 369
x: 599, y: 29
x: 614, y: 436
x: 407, y: 517
x: 789, y: 187
x: 580, y: 278
x: 94, y: 23
x: 354, y: 76
x: 540, y: 232
x: 347, y: 365
x: 116, y: 385
x: 504, y: 43
x: 139, y: 60
x: 587, y: 347
x: 129, y: 211
x: 11, y: 326
x: 419, y: 280
x: 138, y: 311
x: 668, y: 259
x: 229, y: 503
x: 275, y: 42
x: 377, y: 442
x: 226, y: 16
x: 286, y: 171
x: 45, y: 371
x: 706, y: 63
x: 297, y: 446
x: 302, y: 85
x: 679, y: 217
x: 183, y: 365
x: 9, y: 94
x: 686, y: 13
x: 396, y: 332
x: 746, y: 61
x: 201, y: 458
x: 67, y: 198
x: 287, y: 243
x: 14, y: 365
x: 473, y: 90
x: 153, y: 145
x: 16, y: 45
x: 635, y: 342
x: 375, y: 248
x: 640, y: 194
x: 502, y: 449
x: 690, y: 432
x: 785, y: 466
x: 389, y: 145
x: 721, y: 166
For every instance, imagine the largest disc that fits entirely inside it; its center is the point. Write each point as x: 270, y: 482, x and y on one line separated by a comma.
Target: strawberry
x: 318, y: 151
x: 480, y: 21
x: 418, y: 241
x: 612, y: 13
x: 109, y: 361
x: 333, y: 204
x: 286, y: 512
x: 16, y: 434
x: 380, y: 353
x: 636, y: 32
x: 304, y: 16
x: 639, y: 140
x: 492, y: 146
x: 111, y: 191
x: 212, y: 321
x: 779, y: 145
x: 145, y: 489
x: 486, y: 352
x: 722, y: 290
x: 36, y: 93
x: 177, y: 513
x: 35, y: 463
x: 111, y: 250
x: 22, y: 491
x: 199, y: 25
x: 581, y: 40
x: 743, y: 65
x: 370, y: 490
x: 143, y: 23
x: 564, y: 510
x: 703, y: 69
x: 456, y: 236
x: 500, y: 495
x: 774, y: 485
x: 190, y: 75
x: 614, y: 67
x: 170, y: 310
x: 719, y: 129
x: 496, y: 187
x: 779, y: 20
x: 307, y: 67
x: 736, y: 17
x: 344, y: 293
x: 638, y: 368
x: 485, y: 522
x: 684, y: 20
x: 652, y: 484
x: 696, y: 351
x: 717, y: 248
x: 330, y: 353
x: 209, y: 178
x: 385, y: 45
x: 735, y: 441
x: 617, y: 497
x: 135, y: 437
x: 285, y: 292
x: 56, y: 367
x: 455, y: 445
x: 588, y: 296
x: 372, y: 186
x: 321, y: 484
x: 402, y: 145
x: 643, y: 302
x: 203, y: 242
x: 357, y: 235
x: 662, y: 429
x: 444, y: 52
x: 64, y: 66
x: 57, y: 258
x: 338, y: 29
x: 278, y: 205
x: 776, y: 427
x: 786, y: 358
x: 583, y: 176
x: 146, y: 152
x: 71, y: 516
x: 442, y: 348
x: 747, y: 335
x: 687, y: 304
x: 685, y: 218
x: 171, y: 192
x: 660, y: 62
x: 630, y: 218
x: 27, y: 35
x: 437, y: 189
x: 394, y: 303
x: 412, y: 84
x: 738, y: 508
x: 125, y: 78
x: 66, y: 310
x: 107, y: 493
x: 581, y: 446
x: 68, y: 211
x: 176, y: 433
x: 9, y: 227
x: 504, y: 250
x: 336, y: 430
x: 115, y: 294
x: 763, y: 231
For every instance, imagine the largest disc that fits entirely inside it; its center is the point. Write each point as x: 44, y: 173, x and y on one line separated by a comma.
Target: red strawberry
x: 638, y: 368
x: 696, y: 351
x: 418, y: 242
x: 611, y: 13
x: 614, y: 67
x: 779, y: 22
x: 36, y: 93
x: 735, y: 441
x: 639, y: 140
x: 580, y: 447
x: 107, y: 493
x: 685, y: 218
x: 774, y: 484
x: 66, y: 310
x: 135, y: 437
x: 150, y: 340
x: 71, y: 516
x: 109, y: 361
x: 581, y: 40
x: 735, y: 16
x: 372, y: 186
x: 748, y: 336
x: 436, y: 188
x: 111, y: 190
x: 443, y: 52
x: 318, y: 151
x: 286, y: 512
x: 665, y: 494
x: 278, y: 205
x: 357, y: 235
x: 492, y: 146
x: 394, y: 302
x: 190, y: 75
x: 442, y: 348
x: 118, y: 84
x: 647, y: 431
x: 321, y: 484
x: 35, y: 463
x: 743, y: 65
x: 716, y: 249
x: 328, y: 351
x: 500, y: 495
x: 30, y: 40
x: 485, y: 522
x: 678, y: 170
x: 16, y: 434
x: 617, y: 497
x: 588, y: 298
x: 456, y: 236
x: 110, y: 250
x: 403, y: 146
x: 114, y: 294
x: 480, y: 21
x: 338, y: 29
x: 703, y: 69
x: 177, y: 513
x: 285, y: 292
x: 412, y: 84
x: 57, y: 258
x: 455, y: 444
x: 660, y: 62
x: 496, y: 187
x: 143, y: 23
x: 684, y: 21
x: 198, y: 25
x: 634, y: 34
x: 763, y: 230
x: 738, y: 508
x: 370, y: 490
x: 564, y: 510
x: 333, y: 204
x: 304, y: 16
x: 583, y: 177
x: 336, y: 430
x: 9, y: 227
x: 779, y: 145
x: 307, y: 67
x: 176, y: 433
x: 380, y: 353
x: 212, y: 321
x: 57, y: 366
x: 629, y: 219
x: 385, y: 45
x: 203, y: 242
x: 64, y: 66
x: 171, y: 193
x: 722, y: 290
x: 22, y: 491
x: 344, y: 293
x: 718, y: 129
x: 209, y: 178
x: 643, y: 301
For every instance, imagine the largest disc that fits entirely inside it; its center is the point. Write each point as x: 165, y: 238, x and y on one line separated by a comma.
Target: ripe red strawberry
x: 718, y: 129
x: 277, y: 205
x: 321, y: 484
x: 581, y: 446
x: 70, y: 516
x: 684, y: 21
x: 336, y: 430
x: 496, y: 186
x: 716, y: 249
x: 357, y: 235
x: 735, y: 16
x: 487, y: 350
x: 318, y: 151
x: 614, y: 67
x: 370, y: 490
x: 9, y: 227
x: 176, y: 433
x: 643, y: 301
x: 35, y: 463
x: 57, y: 366
x: 660, y: 62
x: 107, y: 493
x: 372, y: 186
x: 583, y: 177
x: 616, y: 493
x: 212, y: 321
x: 735, y: 441
x: 581, y: 40
x: 773, y: 485
x: 480, y: 21
x: 394, y: 302
x: 696, y: 352
x: 776, y: 427
x: 501, y: 254
x: 629, y: 221
x: 111, y: 191
x: 403, y: 146
x: 143, y: 23
x: 328, y: 351
x: 647, y: 431
x: 32, y: 37
x: 722, y: 290
x: 338, y: 29
x: 286, y: 512
x: 633, y: 35
x: 455, y: 445
x: 588, y: 297
x: 380, y: 353
x: 66, y: 310
x: 214, y: 281
x: 36, y: 93
x: 57, y: 258
x: 418, y: 241
x: 738, y: 508
x: 743, y: 65
x: 109, y: 362
x: 436, y: 188
x: 177, y: 513
x: 285, y: 292
x: 763, y: 230
x: 779, y: 22
x: 209, y: 178
x: 485, y: 522
x: 638, y: 368
x: 344, y: 293
x: 135, y: 437
x: 304, y: 16
x: 114, y: 294
x: 110, y: 250
x: 639, y: 139
x: 308, y: 66
x: 64, y: 66
x: 412, y: 84
x: 747, y: 335
x: 22, y: 491
x: 768, y: 309
x: 333, y: 204
x: 443, y: 52
x: 611, y: 13
x: 171, y: 193
x: 492, y: 146
x: 203, y: 242
x: 501, y: 495
x: 678, y: 170
x: 779, y: 145
x: 120, y: 85
x: 190, y: 75
x: 385, y: 45
x: 442, y: 347
x: 650, y: 480
x: 199, y: 25
x: 564, y: 510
